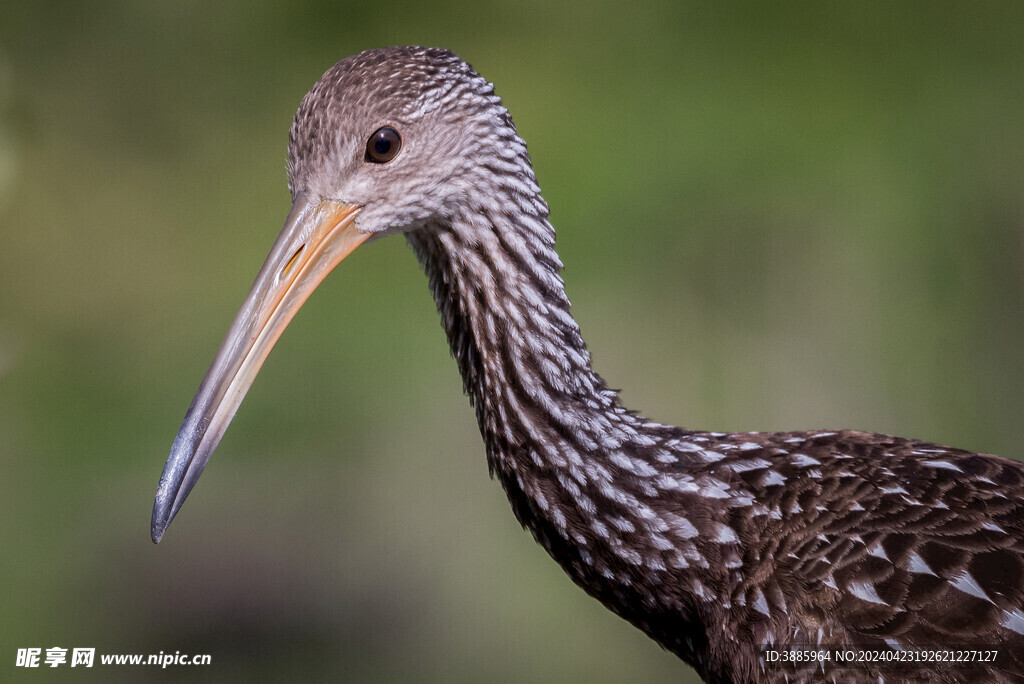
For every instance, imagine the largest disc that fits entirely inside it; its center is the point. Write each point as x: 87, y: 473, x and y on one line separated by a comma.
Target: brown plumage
x: 716, y: 545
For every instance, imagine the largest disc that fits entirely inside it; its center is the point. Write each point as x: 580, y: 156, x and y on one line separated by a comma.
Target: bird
x: 721, y: 547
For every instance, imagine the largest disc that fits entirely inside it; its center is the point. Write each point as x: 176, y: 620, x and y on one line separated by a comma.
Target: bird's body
x: 715, y: 544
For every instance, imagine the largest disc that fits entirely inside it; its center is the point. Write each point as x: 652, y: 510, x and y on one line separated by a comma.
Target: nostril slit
x: 291, y: 262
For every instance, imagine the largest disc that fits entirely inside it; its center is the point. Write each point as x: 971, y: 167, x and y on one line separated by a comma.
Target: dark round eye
x: 383, y: 146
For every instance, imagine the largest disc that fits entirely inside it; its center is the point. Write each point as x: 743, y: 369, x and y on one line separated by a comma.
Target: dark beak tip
x: 160, y: 522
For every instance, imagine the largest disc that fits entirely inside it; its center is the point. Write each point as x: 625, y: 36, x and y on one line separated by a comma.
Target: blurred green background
x: 773, y: 216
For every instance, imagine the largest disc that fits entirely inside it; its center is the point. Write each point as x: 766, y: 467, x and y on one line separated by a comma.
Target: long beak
x: 316, y: 237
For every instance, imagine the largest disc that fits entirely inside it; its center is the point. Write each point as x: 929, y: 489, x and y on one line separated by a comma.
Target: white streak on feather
x: 967, y: 584
x: 865, y: 592
x: 803, y: 460
x: 942, y: 464
x: 1014, y: 620
x: 760, y: 604
x: 750, y: 464
x: 917, y: 565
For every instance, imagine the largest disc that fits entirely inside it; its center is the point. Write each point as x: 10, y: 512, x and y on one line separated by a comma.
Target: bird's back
x: 866, y: 543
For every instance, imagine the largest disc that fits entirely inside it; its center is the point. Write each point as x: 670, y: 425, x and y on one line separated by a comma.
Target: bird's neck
x: 523, y: 360
x: 581, y: 472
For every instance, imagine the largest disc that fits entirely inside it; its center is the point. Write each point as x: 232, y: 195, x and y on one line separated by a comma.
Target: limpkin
x: 717, y: 545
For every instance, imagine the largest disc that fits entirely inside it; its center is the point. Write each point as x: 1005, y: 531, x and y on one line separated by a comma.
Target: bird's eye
x: 383, y: 146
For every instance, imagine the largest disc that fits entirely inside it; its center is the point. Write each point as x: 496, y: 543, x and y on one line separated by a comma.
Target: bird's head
x: 405, y: 134
x: 387, y: 141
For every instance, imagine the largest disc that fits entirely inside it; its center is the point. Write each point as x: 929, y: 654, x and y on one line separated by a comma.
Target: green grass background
x: 773, y: 216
